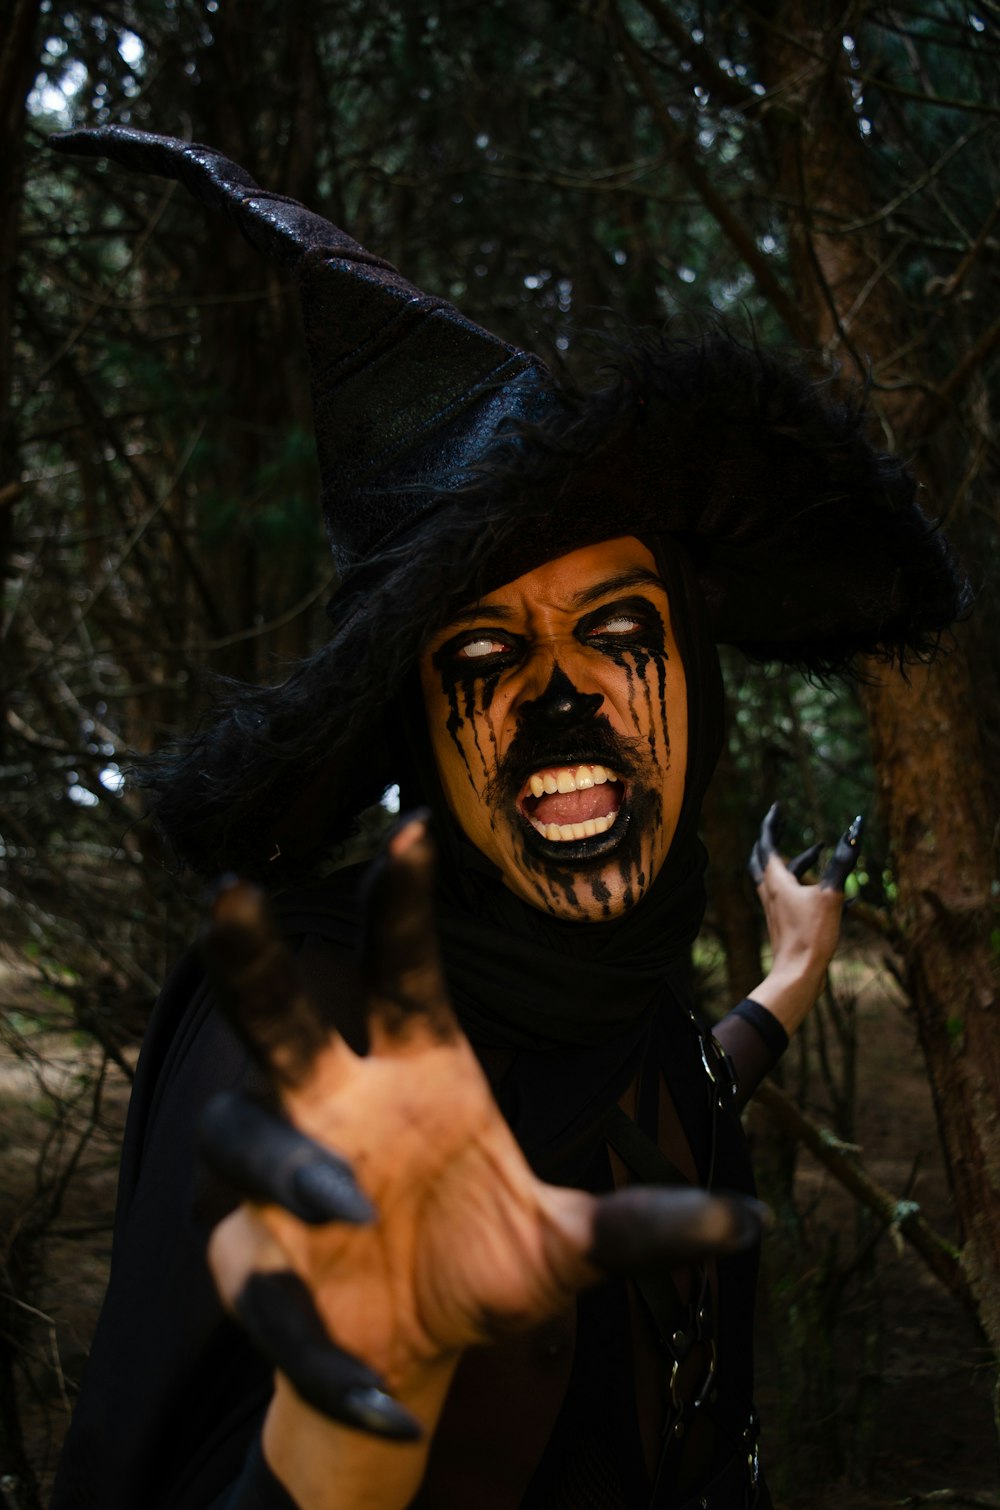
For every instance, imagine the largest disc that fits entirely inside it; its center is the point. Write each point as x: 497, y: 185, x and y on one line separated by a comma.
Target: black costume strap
x: 644, y: 1157
x: 657, y: 1290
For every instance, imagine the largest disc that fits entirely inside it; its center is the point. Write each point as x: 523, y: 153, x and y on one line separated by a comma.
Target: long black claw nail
x: 773, y: 826
x: 258, y: 983
x: 752, y: 1220
x: 400, y: 957
x: 804, y: 862
x: 844, y: 857
x: 644, y: 1227
x: 266, y: 1159
x: 766, y: 844
x: 281, y: 1319
x: 325, y: 1191
x: 375, y: 1411
x: 398, y: 934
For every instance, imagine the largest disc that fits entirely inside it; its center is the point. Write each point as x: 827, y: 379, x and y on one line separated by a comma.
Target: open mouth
x: 577, y: 810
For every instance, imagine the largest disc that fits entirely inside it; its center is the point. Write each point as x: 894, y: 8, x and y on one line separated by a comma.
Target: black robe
x: 174, y: 1394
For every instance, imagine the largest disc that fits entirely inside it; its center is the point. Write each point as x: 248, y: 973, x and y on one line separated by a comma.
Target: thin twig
x: 79, y: 615
x: 729, y: 223
x: 136, y: 251
x: 915, y: 186
x: 932, y: 411
x: 952, y: 1497
x: 954, y: 283
x: 732, y: 91
x: 257, y: 630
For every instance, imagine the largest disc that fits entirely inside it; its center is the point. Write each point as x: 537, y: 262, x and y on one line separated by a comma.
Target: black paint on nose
x: 560, y: 704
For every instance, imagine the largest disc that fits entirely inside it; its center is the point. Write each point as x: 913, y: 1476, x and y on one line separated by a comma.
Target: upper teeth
x: 567, y: 780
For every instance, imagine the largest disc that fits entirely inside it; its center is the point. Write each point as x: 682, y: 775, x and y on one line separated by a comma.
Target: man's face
x: 557, y: 710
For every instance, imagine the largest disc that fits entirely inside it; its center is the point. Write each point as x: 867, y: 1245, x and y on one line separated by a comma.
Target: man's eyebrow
x: 499, y: 613
x: 637, y: 576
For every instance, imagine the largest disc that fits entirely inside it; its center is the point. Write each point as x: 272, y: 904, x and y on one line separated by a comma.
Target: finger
x: 258, y: 985
x: 642, y: 1226
x: 766, y: 844
x: 844, y: 857
x: 804, y: 862
x: 278, y: 1314
x: 266, y: 1159
x: 400, y: 959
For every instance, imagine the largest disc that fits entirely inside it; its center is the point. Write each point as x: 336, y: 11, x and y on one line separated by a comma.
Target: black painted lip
x: 579, y: 851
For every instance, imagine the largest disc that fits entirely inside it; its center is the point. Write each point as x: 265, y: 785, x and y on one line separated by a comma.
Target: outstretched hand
x: 803, y: 921
x: 390, y: 1219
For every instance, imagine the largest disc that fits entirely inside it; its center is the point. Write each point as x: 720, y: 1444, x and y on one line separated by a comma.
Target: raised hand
x: 803, y: 922
x: 391, y: 1220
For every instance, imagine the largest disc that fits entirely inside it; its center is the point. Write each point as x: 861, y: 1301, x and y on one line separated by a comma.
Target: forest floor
x: 895, y: 1412
x: 902, y: 1414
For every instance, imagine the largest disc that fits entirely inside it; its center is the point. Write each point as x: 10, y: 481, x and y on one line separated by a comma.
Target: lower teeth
x: 561, y: 832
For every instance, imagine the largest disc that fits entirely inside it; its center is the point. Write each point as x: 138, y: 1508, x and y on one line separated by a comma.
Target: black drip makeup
x: 455, y: 725
x: 569, y: 773
x: 559, y: 869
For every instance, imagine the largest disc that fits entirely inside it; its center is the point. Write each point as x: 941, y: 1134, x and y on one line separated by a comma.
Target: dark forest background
x: 826, y: 174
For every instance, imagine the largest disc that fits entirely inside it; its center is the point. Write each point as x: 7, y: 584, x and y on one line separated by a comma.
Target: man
x: 524, y: 641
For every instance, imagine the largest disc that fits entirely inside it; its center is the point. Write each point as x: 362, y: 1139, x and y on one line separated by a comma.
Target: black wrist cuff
x: 766, y: 1024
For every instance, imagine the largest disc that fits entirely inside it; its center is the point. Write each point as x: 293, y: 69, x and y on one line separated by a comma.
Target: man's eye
x: 619, y: 623
x: 481, y: 647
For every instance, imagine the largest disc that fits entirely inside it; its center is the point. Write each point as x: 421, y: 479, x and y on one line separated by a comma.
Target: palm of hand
x: 467, y: 1242
x: 462, y: 1242
x: 803, y: 922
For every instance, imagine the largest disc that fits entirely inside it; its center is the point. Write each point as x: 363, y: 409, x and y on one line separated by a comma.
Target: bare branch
x: 946, y: 102
x: 819, y: 273
x: 256, y: 630
x: 915, y: 186
x: 902, y: 1216
x: 739, y: 235
x: 731, y: 91
x: 958, y: 277
x: 79, y: 614
x: 934, y: 408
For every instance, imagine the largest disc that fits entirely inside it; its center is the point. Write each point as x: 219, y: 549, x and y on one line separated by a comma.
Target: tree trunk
x: 17, y: 67
x: 18, y: 61
x: 933, y: 785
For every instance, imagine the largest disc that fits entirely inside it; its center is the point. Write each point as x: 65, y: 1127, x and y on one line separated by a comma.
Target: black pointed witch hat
x: 807, y: 542
x: 453, y: 462
x: 404, y: 387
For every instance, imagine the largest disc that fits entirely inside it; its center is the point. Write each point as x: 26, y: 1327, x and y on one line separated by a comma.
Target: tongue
x: 577, y: 807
